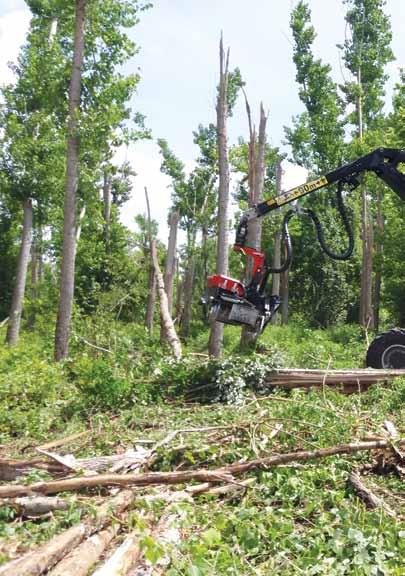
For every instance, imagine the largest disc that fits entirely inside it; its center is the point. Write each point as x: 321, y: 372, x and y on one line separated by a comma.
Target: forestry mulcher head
x: 230, y: 302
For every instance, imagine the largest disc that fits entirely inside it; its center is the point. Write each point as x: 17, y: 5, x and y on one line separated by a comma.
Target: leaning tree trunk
x: 256, y: 183
x: 150, y: 303
x: 72, y: 169
x: 217, y: 329
x: 165, y: 317
x: 13, y: 328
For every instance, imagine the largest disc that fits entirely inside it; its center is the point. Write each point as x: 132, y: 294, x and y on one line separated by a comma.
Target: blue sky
x: 178, y: 63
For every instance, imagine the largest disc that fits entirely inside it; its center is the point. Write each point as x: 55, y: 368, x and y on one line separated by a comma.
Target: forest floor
x: 301, y: 517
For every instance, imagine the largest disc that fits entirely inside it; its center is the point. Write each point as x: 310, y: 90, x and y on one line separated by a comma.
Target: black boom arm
x: 382, y: 161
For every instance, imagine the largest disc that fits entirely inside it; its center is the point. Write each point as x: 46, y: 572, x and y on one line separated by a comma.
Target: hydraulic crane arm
x: 382, y: 161
x: 232, y: 302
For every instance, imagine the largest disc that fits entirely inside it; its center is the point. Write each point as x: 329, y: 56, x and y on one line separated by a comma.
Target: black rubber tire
x: 375, y: 353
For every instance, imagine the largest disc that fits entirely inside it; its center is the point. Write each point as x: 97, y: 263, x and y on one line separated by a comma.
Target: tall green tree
x: 103, y: 112
x: 317, y: 142
x: 366, y: 52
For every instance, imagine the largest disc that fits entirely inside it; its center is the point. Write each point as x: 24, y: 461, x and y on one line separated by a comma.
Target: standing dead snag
x: 166, y: 319
x: 256, y: 183
x: 217, y: 329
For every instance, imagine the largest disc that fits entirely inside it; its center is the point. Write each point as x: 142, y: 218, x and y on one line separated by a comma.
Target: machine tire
x: 387, y: 350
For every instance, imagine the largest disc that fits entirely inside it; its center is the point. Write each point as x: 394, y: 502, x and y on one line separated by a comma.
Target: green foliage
x: 227, y: 381
x: 366, y: 51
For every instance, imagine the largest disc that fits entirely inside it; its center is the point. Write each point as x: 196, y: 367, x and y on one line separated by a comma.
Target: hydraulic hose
x: 287, y: 242
x: 319, y: 230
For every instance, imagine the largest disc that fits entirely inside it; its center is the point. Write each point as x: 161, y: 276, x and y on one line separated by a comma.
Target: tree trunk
x: 150, y: 303
x: 107, y: 206
x: 276, y: 280
x: 188, y: 289
x: 217, y: 329
x: 366, y: 302
x: 179, y: 300
x: 171, y: 258
x: 72, y: 168
x: 35, y: 275
x: 284, y: 293
x: 166, y: 319
x: 379, y: 255
x: 256, y: 182
x: 13, y: 328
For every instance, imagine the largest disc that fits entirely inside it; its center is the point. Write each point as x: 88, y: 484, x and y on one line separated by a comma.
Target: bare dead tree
x: 170, y: 266
x: 257, y: 149
x: 150, y: 303
x: 217, y: 329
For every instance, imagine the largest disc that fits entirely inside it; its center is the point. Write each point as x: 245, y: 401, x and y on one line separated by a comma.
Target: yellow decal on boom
x: 298, y: 191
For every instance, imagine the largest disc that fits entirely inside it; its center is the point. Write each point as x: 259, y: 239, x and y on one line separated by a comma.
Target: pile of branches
x: 98, y: 545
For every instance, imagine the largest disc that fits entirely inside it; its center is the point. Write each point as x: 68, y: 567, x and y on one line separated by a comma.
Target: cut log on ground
x: 45, y: 557
x: 83, y: 557
x: 224, y: 474
x: 36, y: 506
x: 350, y: 380
x: 122, y: 558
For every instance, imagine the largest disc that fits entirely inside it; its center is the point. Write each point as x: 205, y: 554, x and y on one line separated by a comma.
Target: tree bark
x: 188, y: 289
x: 379, y: 256
x: 13, y: 328
x: 217, y: 328
x: 42, y: 559
x: 284, y: 293
x: 72, y: 169
x: 150, y: 302
x: 276, y: 279
x: 366, y: 284
x: 166, y: 319
x: 107, y: 206
x: 256, y: 183
x: 81, y: 559
x: 171, y: 258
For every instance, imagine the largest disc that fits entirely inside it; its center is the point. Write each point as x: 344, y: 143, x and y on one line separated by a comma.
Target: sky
x: 178, y: 63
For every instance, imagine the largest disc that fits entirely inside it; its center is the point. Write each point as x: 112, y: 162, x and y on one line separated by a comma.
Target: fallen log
x: 350, y: 380
x: 35, y: 506
x: 366, y: 495
x: 224, y: 474
x: 80, y: 560
x: 122, y: 558
x: 42, y: 559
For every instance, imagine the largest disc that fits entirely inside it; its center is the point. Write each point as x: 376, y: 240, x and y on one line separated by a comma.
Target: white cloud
x: 293, y: 175
x: 13, y: 30
x: 145, y: 160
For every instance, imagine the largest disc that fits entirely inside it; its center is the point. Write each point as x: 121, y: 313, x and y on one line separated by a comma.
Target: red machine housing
x: 232, y: 285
